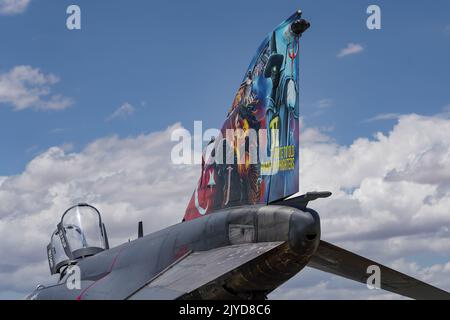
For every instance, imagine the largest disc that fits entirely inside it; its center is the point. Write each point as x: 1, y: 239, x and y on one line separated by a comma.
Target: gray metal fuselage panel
x: 120, y: 271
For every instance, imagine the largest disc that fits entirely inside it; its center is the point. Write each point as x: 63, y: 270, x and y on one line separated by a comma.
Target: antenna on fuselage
x: 140, y: 229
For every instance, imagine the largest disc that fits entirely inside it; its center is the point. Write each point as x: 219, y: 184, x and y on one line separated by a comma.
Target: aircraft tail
x: 255, y: 158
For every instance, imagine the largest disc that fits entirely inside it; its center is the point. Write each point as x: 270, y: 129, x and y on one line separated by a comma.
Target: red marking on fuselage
x: 181, y: 252
x: 80, y: 296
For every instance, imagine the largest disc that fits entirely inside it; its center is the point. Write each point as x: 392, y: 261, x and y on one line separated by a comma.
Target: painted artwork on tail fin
x: 255, y: 159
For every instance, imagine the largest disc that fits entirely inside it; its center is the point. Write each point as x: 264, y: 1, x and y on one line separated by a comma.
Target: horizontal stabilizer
x: 199, y: 268
x: 338, y: 261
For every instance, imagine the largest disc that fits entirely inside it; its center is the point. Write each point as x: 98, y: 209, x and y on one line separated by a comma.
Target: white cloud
x: 390, y: 201
x: 321, y: 106
x: 314, y: 135
x: 57, y: 130
x: 126, y: 179
x: 384, y: 116
x: 352, y: 48
x: 26, y: 87
x: 10, y: 7
x: 125, y: 110
x: 325, y: 103
x: 445, y: 112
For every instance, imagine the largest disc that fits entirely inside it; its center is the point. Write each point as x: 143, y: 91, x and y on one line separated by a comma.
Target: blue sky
x: 183, y: 60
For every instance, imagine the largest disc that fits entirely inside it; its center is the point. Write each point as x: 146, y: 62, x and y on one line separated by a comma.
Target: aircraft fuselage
x: 119, y: 273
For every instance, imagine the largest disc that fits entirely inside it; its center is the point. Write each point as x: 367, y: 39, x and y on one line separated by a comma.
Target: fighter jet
x: 244, y: 232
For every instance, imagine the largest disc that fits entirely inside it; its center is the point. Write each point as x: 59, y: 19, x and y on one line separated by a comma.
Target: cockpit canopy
x: 82, y: 232
x: 57, y: 258
x: 79, y: 234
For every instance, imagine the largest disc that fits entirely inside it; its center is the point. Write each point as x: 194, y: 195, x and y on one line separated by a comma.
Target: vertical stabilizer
x: 255, y: 159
